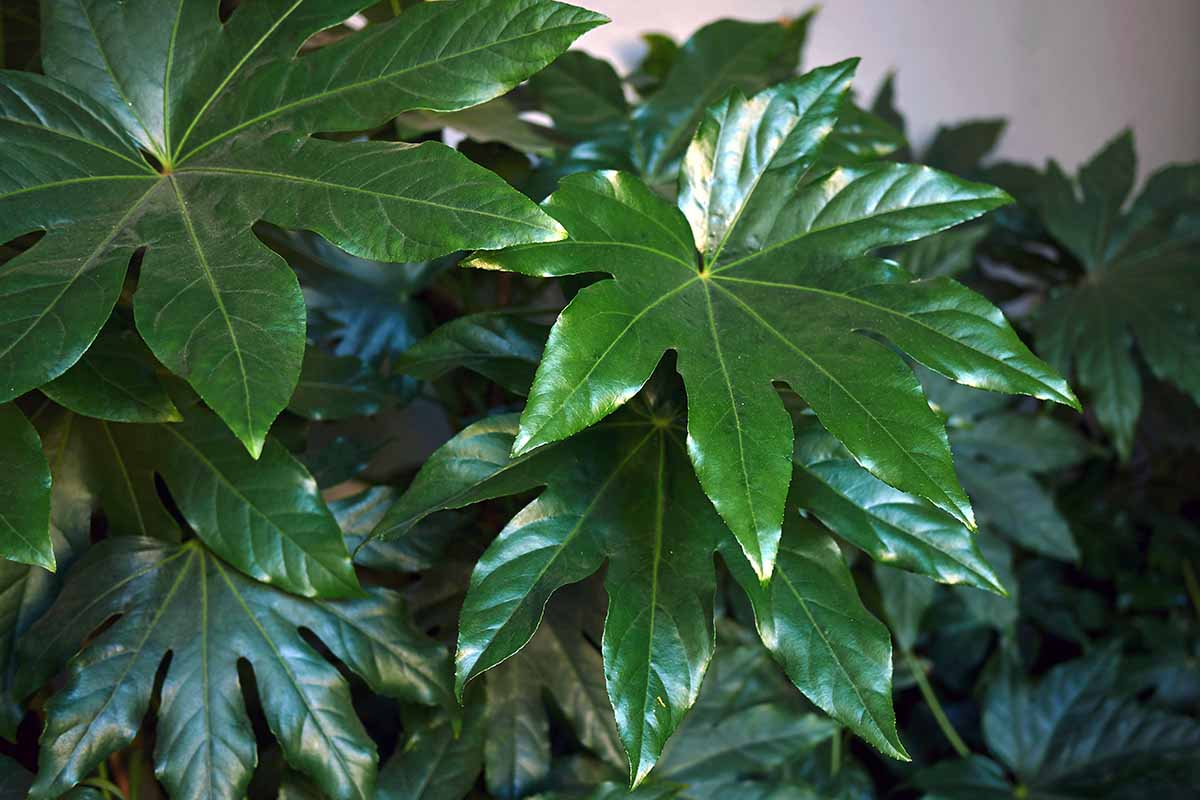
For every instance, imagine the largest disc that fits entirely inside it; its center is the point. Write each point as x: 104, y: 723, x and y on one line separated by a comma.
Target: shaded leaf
x: 503, y: 348
x: 24, y: 493
x: 186, y: 602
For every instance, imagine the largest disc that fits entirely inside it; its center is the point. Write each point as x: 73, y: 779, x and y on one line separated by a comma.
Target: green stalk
x: 935, y: 706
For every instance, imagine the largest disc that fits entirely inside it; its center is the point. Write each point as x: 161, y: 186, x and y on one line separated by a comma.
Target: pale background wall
x: 1067, y: 73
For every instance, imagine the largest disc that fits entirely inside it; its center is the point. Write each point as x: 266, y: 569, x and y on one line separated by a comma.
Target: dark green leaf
x: 741, y: 726
x: 961, y: 148
x: 661, y: 52
x: 622, y: 491
x: 1067, y: 736
x: 884, y: 104
x: 894, y: 528
x: 945, y: 254
x: 776, y: 258
x: 227, y: 110
x: 906, y: 598
x: 436, y: 762
x: 115, y: 380
x: 121, y: 462
x: 24, y: 493
x: 811, y: 619
x: 15, y: 780
x: 494, y: 121
x: 1020, y: 720
x: 1015, y: 504
x: 264, y: 517
x: 581, y: 93
x: 503, y: 348
x: 27, y: 591
x: 516, y: 750
x: 718, y: 57
x: 1141, y: 284
x: 186, y: 602
x: 974, y: 777
x: 337, y: 387
x: 1038, y: 444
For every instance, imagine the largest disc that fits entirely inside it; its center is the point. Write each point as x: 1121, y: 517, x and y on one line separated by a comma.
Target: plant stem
x: 835, y: 753
x: 1193, y: 586
x: 931, y: 700
x: 106, y: 787
x: 396, y: 9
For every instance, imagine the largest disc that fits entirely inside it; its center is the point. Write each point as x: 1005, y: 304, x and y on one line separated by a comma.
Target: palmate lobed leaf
x: 185, y: 602
x: 618, y: 494
x: 782, y: 289
x: 624, y: 492
x: 1142, y: 282
x: 226, y: 109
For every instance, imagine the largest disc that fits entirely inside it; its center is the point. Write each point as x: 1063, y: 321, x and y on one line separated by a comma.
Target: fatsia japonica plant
x: 337, y: 466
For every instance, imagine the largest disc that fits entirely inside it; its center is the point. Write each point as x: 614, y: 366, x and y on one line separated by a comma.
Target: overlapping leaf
x: 186, y: 602
x: 782, y: 290
x: 1141, y: 284
x: 225, y: 110
x: 623, y: 493
x: 585, y: 98
x: 27, y: 591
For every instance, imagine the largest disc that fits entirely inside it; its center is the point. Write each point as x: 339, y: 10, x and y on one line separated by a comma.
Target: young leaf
x: 1141, y: 283
x: 24, y: 493
x: 226, y: 110
x: 811, y: 619
x: 783, y: 293
x: 186, y: 602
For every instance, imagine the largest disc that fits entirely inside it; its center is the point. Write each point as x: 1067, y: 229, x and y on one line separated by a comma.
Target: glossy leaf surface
x: 782, y: 293
x: 187, y: 602
x: 265, y: 517
x: 894, y: 528
x: 226, y: 110
x: 811, y: 619
x: 621, y: 492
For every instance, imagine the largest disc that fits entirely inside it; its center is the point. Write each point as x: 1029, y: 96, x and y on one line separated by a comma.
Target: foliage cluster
x: 316, y: 486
